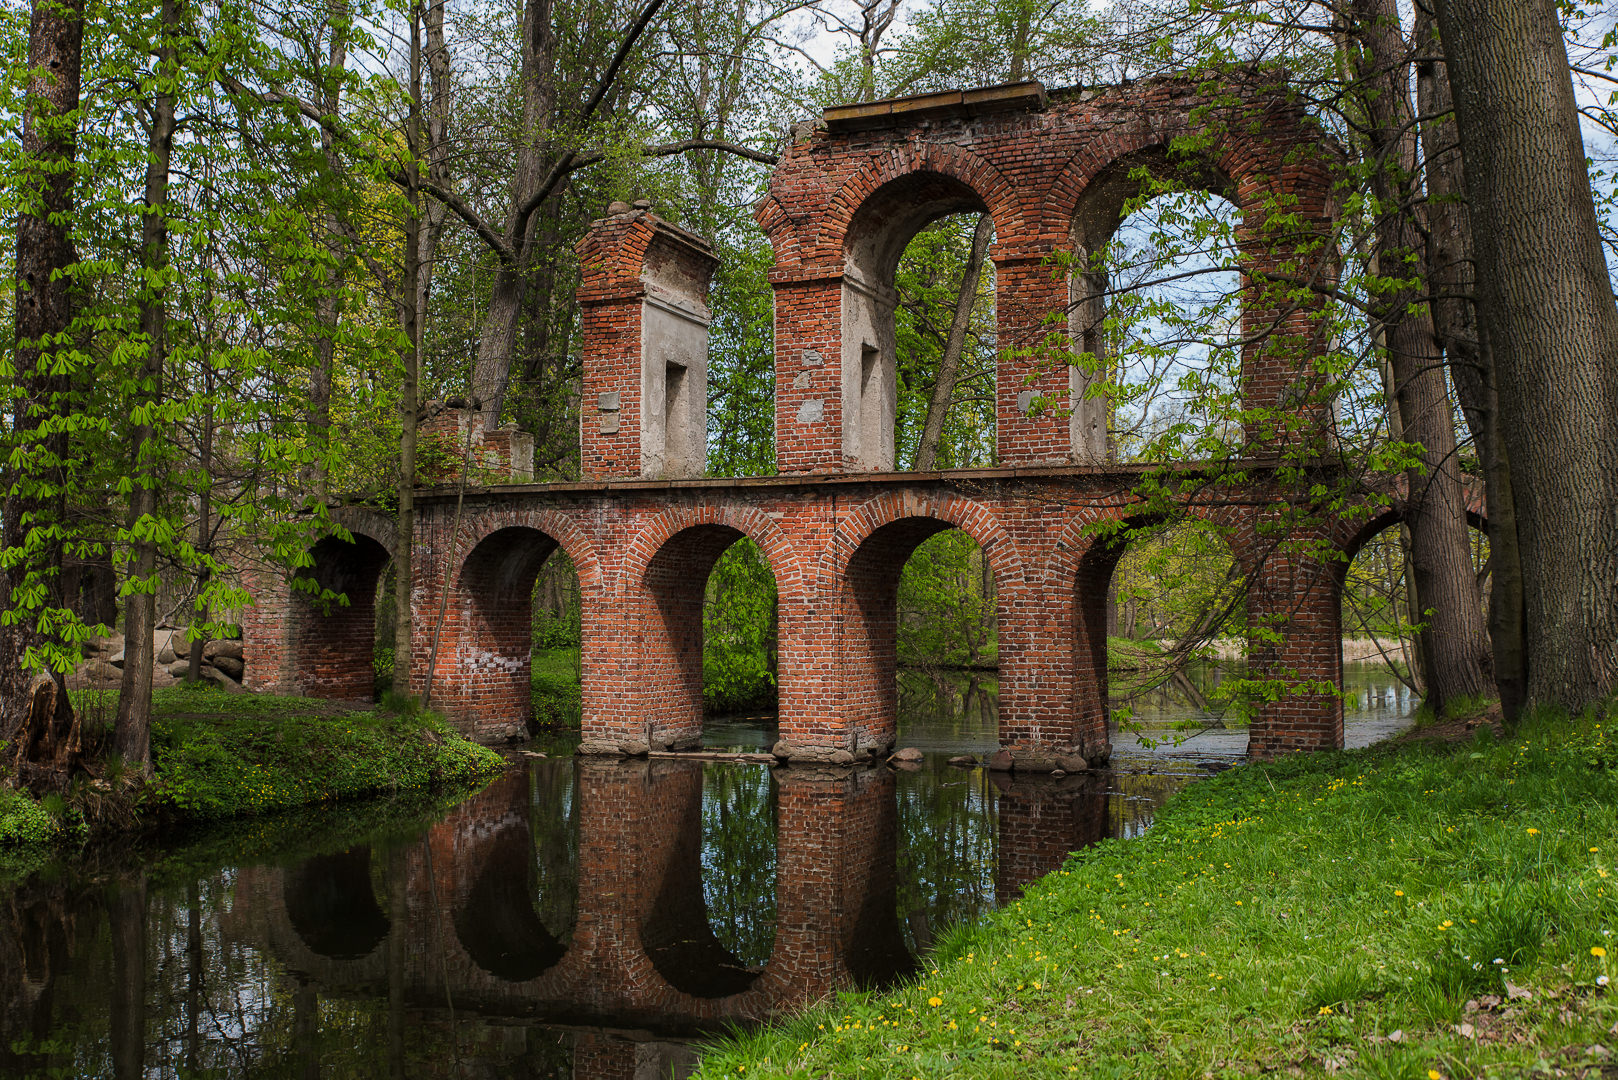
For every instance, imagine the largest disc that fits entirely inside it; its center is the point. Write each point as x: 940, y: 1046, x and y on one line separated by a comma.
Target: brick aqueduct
x: 837, y: 522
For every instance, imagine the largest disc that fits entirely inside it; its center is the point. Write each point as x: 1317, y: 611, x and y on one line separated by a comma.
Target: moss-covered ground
x: 1416, y: 910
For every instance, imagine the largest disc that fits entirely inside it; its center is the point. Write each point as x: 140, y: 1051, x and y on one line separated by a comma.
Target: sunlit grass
x: 1403, y: 911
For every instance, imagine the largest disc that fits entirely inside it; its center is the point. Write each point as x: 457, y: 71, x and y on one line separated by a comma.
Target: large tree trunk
x: 131, y: 738
x: 491, y: 372
x: 45, y: 306
x: 1546, y: 306
x: 949, y: 366
x: 1452, y: 269
x: 1453, y: 638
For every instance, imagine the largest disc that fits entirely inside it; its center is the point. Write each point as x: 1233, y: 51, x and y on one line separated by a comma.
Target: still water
x: 576, y: 918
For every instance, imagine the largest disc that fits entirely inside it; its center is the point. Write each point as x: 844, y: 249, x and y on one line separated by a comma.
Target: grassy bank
x: 219, y: 756
x: 1417, y: 910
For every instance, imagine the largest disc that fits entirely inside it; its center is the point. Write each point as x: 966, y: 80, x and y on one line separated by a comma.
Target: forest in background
x: 255, y: 245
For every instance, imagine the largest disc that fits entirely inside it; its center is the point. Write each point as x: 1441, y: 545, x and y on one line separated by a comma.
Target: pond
x: 576, y: 918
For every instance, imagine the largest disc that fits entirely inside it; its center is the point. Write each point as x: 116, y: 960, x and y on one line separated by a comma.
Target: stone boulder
x: 229, y: 649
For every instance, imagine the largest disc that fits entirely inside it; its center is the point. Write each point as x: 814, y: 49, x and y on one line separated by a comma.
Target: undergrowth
x: 218, y: 755
x: 1412, y: 910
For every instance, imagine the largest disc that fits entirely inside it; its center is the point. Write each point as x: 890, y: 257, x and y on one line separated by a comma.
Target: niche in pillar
x: 870, y: 375
x: 644, y: 310
x: 674, y: 387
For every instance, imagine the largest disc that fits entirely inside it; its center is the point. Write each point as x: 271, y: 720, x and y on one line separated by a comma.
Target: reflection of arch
x: 862, y: 565
x: 331, y: 905
x: 485, y: 658
x: 496, y: 923
x: 666, y: 570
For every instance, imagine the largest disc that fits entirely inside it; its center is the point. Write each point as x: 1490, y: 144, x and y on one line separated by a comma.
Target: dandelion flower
x: 935, y: 1002
x: 1597, y: 950
x: 1325, y: 1010
x: 1533, y: 832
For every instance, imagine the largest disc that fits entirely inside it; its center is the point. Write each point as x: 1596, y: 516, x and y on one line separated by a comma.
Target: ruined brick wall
x: 1053, y: 173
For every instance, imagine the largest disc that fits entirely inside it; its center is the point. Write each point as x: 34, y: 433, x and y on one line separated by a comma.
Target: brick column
x: 644, y: 337
x: 1033, y: 361
x: 1297, y: 647
x: 808, y: 374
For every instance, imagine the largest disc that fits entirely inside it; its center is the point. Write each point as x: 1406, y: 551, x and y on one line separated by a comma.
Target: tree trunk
x: 1546, y: 307
x: 131, y: 738
x: 45, y: 306
x: 491, y: 372
x: 410, y: 299
x: 949, y: 367
x: 329, y: 303
x: 1451, y: 263
x: 1453, y: 638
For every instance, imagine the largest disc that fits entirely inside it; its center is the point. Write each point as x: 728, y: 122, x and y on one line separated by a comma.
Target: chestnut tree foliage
x: 272, y: 235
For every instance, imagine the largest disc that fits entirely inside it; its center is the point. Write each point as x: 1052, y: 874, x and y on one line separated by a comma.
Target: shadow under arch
x: 666, y: 571
x: 862, y: 568
x: 485, y: 654
x: 340, y: 632
x: 332, y: 906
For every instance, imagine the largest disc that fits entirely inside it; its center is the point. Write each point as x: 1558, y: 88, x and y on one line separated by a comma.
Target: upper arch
x: 568, y: 536
x: 972, y: 518
x: 751, y: 523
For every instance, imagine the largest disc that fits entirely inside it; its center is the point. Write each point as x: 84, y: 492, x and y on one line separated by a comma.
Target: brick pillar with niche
x: 644, y: 314
x: 808, y: 373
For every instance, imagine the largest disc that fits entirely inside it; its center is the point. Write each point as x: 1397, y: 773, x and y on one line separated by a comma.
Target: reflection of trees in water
x: 553, y: 821
x: 739, y: 859
x: 947, y: 848
x: 948, y: 706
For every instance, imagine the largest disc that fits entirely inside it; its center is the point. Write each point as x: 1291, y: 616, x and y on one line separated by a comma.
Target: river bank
x: 217, y: 756
x: 1420, y: 908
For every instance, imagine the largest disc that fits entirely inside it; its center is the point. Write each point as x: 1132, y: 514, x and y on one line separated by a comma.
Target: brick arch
x: 1242, y: 166
x: 485, y: 639
x: 915, y: 163
x: 779, y: 552
x: 860, y: 572
x: 657, y: 598
x: 958, y: 511
x: 559, y: 527
x: 363, y: 521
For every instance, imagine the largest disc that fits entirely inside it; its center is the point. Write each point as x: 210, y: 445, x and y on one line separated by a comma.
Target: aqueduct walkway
x: 836, y: 524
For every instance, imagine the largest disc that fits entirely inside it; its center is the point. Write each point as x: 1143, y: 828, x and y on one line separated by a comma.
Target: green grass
x: 1288, y: 918
x: 218, y: 756
x: 251, y: 754
x: 557, y: 699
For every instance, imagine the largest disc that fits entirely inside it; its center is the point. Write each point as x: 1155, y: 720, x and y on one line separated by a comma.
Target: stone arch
x: 485, y: 643
x: 661, y: 581
x: 860, y: 569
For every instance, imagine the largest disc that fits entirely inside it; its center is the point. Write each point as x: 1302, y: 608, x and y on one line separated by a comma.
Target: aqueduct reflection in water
x: 578, y: 917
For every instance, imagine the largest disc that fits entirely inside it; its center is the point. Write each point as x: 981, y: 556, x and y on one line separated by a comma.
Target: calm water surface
x: 574, y: 919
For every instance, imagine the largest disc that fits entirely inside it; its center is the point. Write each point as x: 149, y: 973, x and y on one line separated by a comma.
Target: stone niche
x: 644, y: 306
